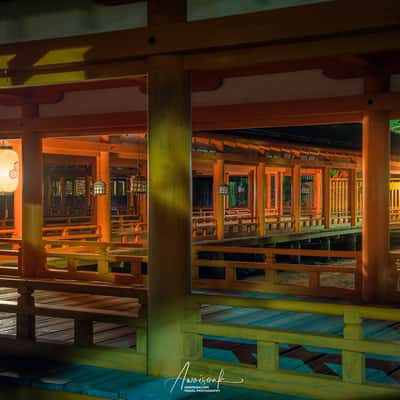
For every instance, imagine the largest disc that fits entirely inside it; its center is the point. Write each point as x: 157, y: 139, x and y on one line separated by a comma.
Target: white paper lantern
x: 8, y: 170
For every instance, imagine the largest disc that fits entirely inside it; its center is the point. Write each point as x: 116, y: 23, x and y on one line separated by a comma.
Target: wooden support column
x: 170, y: 211
x: 33, y: 254
x: 352, y: 200
x: 17, y: 146
x: 103, y: 202
x: 260, y: 199
x: 296, y: 197
x: 143, y: 197
x: 326, y: 197
x: 280, y: 204
x: 317, y: 193
x: 219, y: 200
x: 376, y: 174
x: 251, y: 191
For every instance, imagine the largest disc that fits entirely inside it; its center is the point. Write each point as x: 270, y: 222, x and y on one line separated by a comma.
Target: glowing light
x: 99, y: 188
x: 9, y: 168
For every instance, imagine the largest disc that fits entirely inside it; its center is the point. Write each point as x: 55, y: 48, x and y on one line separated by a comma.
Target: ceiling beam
x: 332, y: 110
x: 325, y: 29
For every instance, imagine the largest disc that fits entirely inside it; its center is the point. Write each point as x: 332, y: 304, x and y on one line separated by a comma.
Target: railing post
x: 25, y: 321
x: 267, y: 356
x: 193, y: 342
x: 260, y: 192
x: 353, y: 363
x: 83, y: 332
x: 141, y: 331
x: 270, y: 273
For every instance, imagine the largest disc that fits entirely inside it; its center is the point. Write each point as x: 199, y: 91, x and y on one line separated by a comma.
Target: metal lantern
x: 99, y: 188
x: 223, y: 189
x: 138, y: 184
x: 8, y: 170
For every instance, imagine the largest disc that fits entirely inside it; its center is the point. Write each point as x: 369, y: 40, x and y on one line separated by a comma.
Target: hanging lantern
x: 8, y: 170
x: 223, y: 189
x: 138, y: 184
x: 99, y: 188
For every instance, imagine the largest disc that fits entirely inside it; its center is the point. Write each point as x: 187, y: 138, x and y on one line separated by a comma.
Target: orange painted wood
x: 18, y: 193
x: 32, y: 199
x: 326, y: 196
x: 260, y: 197
x: 376, y: 174
x: 103, y: 202
x: 352, y: 197
x: 296, y: 197
x: 219, y: 200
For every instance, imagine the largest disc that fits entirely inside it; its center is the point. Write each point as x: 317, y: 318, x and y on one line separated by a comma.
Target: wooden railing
x: 279, y: 223
x: 10, y: 257
x: 340, y: 219
x: 394, y: 278
x: 73, y: 232
x: 312, y: 221
x: 204, y: 228
x: 69, y: 220
x: 93, y: 261
x: 240, y: 226
x: 27, y: 309
x: 136, y: 233
x: 267, y: 374
x: 277, y: 270
x: 123, y: 221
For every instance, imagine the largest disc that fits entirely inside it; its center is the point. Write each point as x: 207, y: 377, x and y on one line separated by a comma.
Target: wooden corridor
x: 305, y: 359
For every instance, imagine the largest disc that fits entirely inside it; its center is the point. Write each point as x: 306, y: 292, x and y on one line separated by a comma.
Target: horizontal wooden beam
x: 328, y: 110
x: 328, y: 28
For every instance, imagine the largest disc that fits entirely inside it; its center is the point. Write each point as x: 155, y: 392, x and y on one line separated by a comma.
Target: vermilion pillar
x: 103, y: 202
x: 326, y: 197
x: 376, y: 175
x: 296, y: 197
x: 17, y: 146
x: 33, y: 255
x: 260, y: 198
x: 219, y: 200
x: 352, y: 197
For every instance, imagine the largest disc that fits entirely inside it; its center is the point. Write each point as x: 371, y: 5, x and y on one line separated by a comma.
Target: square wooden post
x: 33, y: 253
x: 352, y: 197
x: 260, y: 199
x: 219, y: 199
x: 326, y: 197
x: 376, y: 174
x: 17, y: 146
x: 103, y: 202
x: 296, y: 197
x: 170, y: 211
